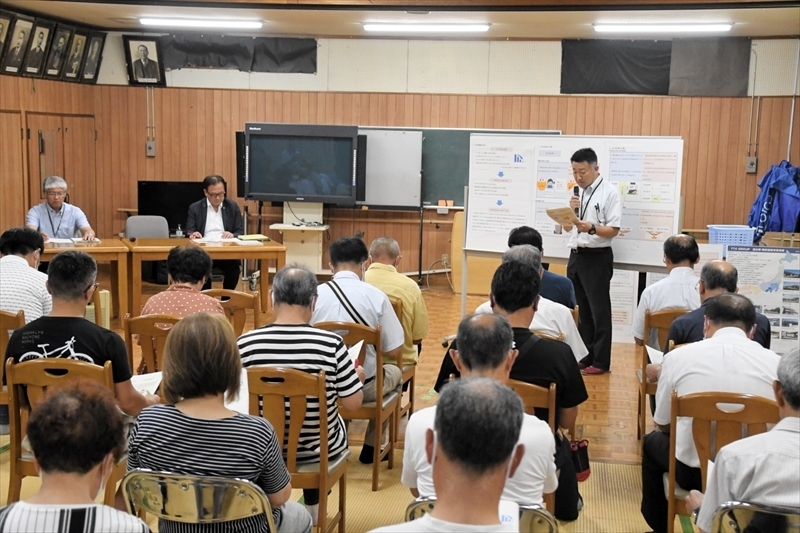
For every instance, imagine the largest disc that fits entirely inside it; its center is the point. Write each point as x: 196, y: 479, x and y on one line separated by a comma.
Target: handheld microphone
x: 575, y: 192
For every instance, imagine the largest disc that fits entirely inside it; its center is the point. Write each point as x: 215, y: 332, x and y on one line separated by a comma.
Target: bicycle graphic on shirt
x: 59, y: 353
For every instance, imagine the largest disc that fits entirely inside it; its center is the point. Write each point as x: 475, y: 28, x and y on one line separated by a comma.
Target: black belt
x: 587, y: 250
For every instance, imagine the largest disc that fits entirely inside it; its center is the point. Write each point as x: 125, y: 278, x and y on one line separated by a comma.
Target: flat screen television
x: 169, y: 199
x: 301, y: 163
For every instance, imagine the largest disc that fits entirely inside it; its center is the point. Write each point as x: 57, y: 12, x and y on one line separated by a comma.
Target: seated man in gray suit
x: 215, y: 218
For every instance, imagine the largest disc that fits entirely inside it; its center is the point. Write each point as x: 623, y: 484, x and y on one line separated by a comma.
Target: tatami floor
x: 607, y: 420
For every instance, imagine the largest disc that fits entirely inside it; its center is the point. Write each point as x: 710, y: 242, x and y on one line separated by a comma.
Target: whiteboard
x: 394, y: 168
x: 514, y: 179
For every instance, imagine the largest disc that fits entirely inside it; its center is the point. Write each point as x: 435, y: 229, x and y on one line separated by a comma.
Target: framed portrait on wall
x: 17, y: 44
x: 59, y: 48
x: 37, y: 51
x: 77, y: 51
x: 6, y: 21
x: 91, y: 66
x: 143, y: 56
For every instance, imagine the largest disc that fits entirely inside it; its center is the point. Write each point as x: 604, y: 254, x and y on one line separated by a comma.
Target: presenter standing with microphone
x: 598, y: 206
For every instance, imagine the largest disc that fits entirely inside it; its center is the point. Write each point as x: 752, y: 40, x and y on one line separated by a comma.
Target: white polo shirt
x: 214, y: 223
x: 601, y: 204
x: 552, y: 318
x: 23, y: 287
x: 373, y: 306
x: 678, y: 290
x: 727, y: 362
x: 535, y: 476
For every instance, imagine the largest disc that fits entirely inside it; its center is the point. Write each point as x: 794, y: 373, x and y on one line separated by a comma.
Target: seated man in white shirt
x: 726, y: 361
x: 551, y: 318
x: 677, y: 291
x: 346, y: 298
x: 764, y: 468
x: 22, y: 286
x: 485, y: 349
x: 472, y: 449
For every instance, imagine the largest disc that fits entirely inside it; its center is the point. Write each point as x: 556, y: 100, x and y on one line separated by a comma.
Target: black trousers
x: 230, y: 269
x: 655, y: 462
x: 590, y: 270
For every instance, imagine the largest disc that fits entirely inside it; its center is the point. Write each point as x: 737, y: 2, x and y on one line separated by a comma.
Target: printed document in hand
x: 564, y: 216
x: 656, y: 357
x: 242, y: 403
x: 354, y: 350
x: 146, y: 383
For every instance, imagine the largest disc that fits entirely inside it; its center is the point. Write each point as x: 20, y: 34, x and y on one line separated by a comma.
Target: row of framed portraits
x: 41, y: 48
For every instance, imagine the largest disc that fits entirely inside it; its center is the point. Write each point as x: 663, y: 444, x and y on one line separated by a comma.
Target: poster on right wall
x: 770, y: 277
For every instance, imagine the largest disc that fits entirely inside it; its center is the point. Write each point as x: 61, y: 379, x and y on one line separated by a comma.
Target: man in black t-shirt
x: 66, y: 334
x: 515, y: 293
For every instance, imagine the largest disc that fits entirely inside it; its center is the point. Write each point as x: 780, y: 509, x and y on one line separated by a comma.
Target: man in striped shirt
x: 22, y: 286
x: 290, y: 342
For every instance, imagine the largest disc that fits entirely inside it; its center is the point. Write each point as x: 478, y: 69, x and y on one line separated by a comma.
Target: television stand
x: 302, y: 230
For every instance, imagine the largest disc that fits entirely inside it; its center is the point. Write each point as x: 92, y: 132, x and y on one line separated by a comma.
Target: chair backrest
x: 147, y: 227
x: 661, y: 321
x: 236, y: 306
x: 576, y: 314
x: 533, y: 518
x: 719, y: 418
x: 673, y: 346
x: 419, y: 508
x: 737, y: 517
x: 352, y: 333
x: 397, y: 305
x: 283, y: 394
x: 559, y: 338
x: 152, y: 331
x: 194, y: 499
x: 534, y: 396
x: 8, y: 322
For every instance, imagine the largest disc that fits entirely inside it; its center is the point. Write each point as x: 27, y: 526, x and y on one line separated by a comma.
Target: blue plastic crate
x: 731, y: 234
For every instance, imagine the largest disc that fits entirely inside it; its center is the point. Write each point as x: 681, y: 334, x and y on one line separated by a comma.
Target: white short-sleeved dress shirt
x: 63, y: 224
x: 677, y: 290
x: 552, y: 318
x: 535, y: 475
x: 373, y: 306
x: 23, y: 287
x: 727, y: 362
x: 214, y: 223
x: 601, y: 204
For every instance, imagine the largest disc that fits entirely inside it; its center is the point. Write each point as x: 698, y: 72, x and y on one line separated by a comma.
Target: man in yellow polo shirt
x: 384, y: 255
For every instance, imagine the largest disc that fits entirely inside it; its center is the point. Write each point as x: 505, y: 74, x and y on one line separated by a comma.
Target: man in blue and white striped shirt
x: 56, y: 219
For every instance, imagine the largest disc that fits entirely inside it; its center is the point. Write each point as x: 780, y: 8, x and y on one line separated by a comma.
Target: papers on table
x: 220, y: 242
x: 656, y: 357
x: 79, y: 240
x: 242, y: 403
x: 147, y: 383
x: 564, y: 216
x: 354, y: 351
x: 51, y: 240
x: 254, y: 237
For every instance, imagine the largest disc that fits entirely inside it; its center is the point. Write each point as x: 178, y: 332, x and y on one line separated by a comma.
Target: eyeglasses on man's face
x: 56, y: 194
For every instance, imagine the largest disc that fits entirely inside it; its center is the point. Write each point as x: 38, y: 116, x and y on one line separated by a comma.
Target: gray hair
x: 789, y: 377
x: 524, y: 253
x: 294, y: 285
x: 71, y: 274
x: 54, y: 182
x: 384, y: 247
x: 478, y: 423
x: 483, y: 341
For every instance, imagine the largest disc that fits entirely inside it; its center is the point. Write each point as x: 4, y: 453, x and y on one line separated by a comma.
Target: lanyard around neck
x: 585, y: 206
x: 52, y: 227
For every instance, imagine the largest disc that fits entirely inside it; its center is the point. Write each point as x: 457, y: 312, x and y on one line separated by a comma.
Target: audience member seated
x: 197, y: 435
x: 764, y: 468
x: 555, y: 288
x: 551, y: 318
x: 727, y: 361
x: 66, y: 334
x: 346, y: 298
x: 472, y: 449
x: 677, y: 291
x: 384, y: 253
x: 716, y: 277
x: 22, y: 286
x: 290, y: 342
x: 77, y: 436
x: 486, y: 343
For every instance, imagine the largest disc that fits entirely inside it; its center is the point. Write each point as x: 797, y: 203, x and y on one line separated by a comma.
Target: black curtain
x: 285, y: 55
x: 710, y: 67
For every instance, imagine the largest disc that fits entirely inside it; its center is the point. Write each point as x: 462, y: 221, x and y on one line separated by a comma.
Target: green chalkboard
x: 445, y: 162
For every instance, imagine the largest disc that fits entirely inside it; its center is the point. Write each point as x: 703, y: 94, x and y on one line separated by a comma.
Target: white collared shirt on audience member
x: 677, y: 291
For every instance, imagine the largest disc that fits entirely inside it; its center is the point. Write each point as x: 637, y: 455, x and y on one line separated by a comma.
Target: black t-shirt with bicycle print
x: 70, y: 338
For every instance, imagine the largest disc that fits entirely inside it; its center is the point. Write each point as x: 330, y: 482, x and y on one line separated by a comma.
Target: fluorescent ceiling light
x: 426, y: 28
x: 661, y: 28
x: 202, y: 23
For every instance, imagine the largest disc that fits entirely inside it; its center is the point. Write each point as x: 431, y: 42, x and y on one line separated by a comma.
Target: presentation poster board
x: 513, y: 180
x: 770, y: 277
x: 624, y: 286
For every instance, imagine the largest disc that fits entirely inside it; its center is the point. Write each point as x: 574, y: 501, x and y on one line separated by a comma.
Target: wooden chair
x: 8, y: 321
x: 195, y: 499
x: 559, y: 338
x: 532, y: 517
x: 718, y: 418
x: 152, y: 331
x: 660, y: 320
x: 409, y: 371
x: 673, y: 346
x: 236, y: 307
x: 273, y: 387
x: 533, y: 397
x: 28, y: 384
x: 386, y: 406
x: 576, y: 315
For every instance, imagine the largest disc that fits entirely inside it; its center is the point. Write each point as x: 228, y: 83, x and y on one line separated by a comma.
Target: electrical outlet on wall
x: 750, y: 164
x: 445, y: 259
x: 150, y: 148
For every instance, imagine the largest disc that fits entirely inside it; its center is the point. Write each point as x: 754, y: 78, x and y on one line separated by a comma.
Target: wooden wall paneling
x: 45, y: 152
x: 712, y: 172
x: 79, y: 166
x: 726, y: 159
x: 13, y: 204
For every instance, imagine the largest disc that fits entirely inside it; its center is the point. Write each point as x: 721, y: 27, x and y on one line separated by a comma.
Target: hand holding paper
x: 354, y: 351
x: 563, y: 216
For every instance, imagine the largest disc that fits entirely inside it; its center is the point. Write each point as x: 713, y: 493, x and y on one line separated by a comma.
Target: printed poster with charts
x: 770, y: 277
x: 515, y: 179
